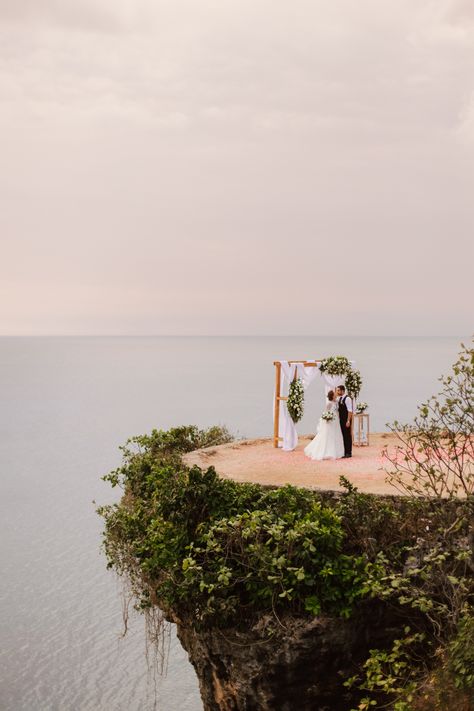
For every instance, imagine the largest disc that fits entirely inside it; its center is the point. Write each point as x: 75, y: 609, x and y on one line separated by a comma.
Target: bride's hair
x: 331, y: 395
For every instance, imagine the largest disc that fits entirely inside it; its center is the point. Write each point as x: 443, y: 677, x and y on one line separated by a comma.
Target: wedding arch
x: 334, y: 371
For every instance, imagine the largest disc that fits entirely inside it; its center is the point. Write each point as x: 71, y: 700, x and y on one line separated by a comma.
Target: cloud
x: 460, y: 12
x: 72, y: 15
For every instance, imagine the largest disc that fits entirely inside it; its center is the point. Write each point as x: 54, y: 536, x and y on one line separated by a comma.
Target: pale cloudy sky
x: 224, y: 166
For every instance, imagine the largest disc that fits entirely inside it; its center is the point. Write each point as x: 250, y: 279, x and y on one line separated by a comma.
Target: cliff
x: 288, y: 599
x: 299, y: 668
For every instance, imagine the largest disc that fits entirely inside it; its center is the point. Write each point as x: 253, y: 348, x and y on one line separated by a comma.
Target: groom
x: 345, y: 419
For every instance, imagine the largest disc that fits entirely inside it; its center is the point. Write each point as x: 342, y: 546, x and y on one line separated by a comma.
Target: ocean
x: 67, y: 406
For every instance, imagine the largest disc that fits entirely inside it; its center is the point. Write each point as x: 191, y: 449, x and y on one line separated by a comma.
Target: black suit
x: 346, y: 431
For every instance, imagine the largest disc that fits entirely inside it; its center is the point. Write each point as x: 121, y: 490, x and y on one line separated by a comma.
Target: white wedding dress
x: 328, y: 443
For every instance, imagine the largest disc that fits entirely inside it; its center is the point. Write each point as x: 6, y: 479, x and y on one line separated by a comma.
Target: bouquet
x: 361, y: 407
x: 327, y: 416
x: 295, y: 400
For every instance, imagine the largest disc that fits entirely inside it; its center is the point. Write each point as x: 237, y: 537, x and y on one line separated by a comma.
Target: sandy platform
x: 256, y: 460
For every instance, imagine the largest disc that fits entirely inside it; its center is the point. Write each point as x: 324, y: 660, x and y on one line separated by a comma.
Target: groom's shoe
x: 347, y: 456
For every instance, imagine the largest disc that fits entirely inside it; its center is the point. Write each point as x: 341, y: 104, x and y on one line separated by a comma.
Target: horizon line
x: 224, y: 335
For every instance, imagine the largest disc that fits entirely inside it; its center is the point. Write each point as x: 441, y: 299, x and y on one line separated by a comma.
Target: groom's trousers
x: 347, y: 437
x: 346, y: 431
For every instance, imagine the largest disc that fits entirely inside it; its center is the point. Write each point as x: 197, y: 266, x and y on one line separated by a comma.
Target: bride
x: 328, y: 443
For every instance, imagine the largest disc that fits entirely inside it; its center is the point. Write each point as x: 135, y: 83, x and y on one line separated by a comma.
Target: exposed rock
x: 300, y: 667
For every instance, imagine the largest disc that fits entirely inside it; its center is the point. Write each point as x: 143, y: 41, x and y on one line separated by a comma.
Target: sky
x: 260, y: 167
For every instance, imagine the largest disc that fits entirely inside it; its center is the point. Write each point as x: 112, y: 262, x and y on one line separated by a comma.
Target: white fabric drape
x: 287, y: 429
x: 307, y: 375
x: 332, y: 381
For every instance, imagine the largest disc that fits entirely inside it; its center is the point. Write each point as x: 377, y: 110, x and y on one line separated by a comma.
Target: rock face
x: 299, y: 668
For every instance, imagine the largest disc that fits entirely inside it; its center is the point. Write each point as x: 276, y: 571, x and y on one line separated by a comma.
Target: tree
x: 434, y: 456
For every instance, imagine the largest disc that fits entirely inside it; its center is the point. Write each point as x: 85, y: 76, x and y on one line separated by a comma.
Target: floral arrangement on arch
x: 353, y: 383
x: 335, y: 365
x: 361, y: 407
x: 295, y: 400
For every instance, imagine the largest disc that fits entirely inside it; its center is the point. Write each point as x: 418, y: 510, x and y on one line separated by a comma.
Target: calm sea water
x: 67, y: 404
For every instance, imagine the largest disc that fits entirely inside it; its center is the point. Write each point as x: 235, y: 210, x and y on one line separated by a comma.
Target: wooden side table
x: 360, y: 431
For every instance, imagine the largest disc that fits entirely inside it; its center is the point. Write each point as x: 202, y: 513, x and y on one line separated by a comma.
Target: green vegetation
x: 424, y: 555
x: 435, y: 453
x: 215, y: 551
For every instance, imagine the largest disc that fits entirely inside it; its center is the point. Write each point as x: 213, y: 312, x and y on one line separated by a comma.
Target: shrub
x: 219, y: 551
x: 435, y: 454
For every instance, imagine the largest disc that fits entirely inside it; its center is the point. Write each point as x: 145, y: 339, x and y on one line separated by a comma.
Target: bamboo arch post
x: 276, y: 414
x: 279, y: 398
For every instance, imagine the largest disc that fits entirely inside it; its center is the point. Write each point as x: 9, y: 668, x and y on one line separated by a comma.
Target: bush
x: 434, y: 457
x: 261, y: 560
x: 460, y: 654
x: 218, y: 551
